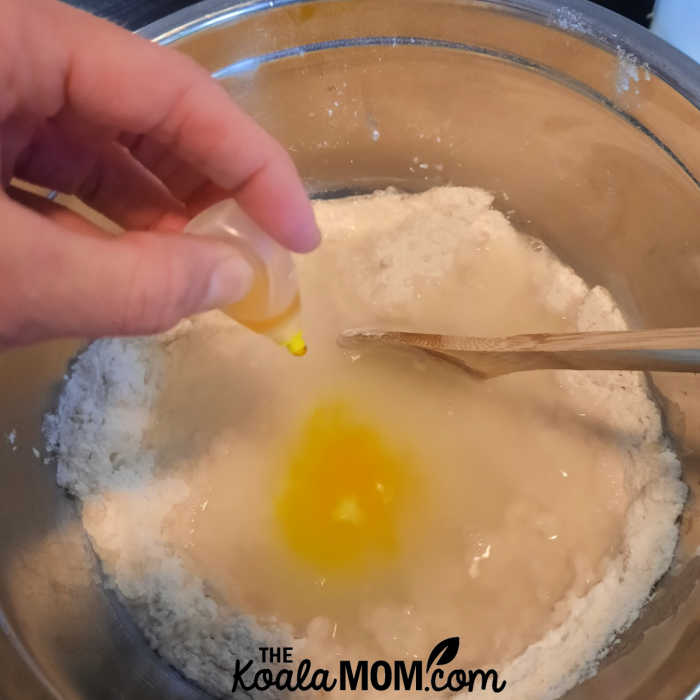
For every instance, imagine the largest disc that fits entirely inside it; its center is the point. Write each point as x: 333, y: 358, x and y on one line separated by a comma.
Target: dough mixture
x: 369, y: 505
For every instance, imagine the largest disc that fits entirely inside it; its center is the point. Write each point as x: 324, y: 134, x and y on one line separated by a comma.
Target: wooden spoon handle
x: 659, y: 350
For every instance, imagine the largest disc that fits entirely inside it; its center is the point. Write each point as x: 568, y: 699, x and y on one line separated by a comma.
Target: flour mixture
x: 367, y: 506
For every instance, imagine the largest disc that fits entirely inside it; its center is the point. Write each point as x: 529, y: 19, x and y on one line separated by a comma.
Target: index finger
x: 116, y: 80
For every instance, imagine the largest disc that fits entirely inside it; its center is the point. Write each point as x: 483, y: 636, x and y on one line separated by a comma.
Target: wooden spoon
x: 657, y: 350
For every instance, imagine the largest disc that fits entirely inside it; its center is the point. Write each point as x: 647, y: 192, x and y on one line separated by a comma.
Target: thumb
x: 58, y: 282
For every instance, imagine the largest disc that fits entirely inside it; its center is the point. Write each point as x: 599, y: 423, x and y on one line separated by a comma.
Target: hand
x: 146, y: 137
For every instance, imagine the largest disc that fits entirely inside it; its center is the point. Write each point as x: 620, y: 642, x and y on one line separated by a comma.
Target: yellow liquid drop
x: 344, y: 492
x: 296, y: 345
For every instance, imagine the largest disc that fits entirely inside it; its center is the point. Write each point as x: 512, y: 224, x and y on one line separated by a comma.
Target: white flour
x: 165, y: 441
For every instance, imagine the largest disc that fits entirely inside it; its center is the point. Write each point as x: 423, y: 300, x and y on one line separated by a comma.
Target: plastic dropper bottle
x: 272, y: 305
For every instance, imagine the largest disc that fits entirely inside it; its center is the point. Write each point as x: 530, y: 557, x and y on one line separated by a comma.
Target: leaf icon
x: 443, y: 652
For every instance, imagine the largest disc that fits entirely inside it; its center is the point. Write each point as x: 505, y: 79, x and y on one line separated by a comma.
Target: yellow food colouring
x: 296, y: 344
x: 343, y: 494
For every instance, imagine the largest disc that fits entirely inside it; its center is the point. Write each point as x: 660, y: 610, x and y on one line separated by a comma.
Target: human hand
x: 143, y: 135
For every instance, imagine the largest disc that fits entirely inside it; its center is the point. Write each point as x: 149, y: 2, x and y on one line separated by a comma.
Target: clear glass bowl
x: 585, y: 126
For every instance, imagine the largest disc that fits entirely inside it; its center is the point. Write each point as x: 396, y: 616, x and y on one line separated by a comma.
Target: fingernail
x: 303, y: 237
x: 311, y: 237
x: 230, y: 281
x: 315, y: 236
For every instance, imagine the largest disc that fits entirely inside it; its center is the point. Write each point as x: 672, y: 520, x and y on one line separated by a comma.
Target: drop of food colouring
x: 296, y: 345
